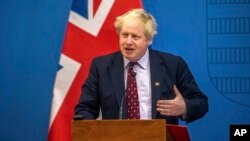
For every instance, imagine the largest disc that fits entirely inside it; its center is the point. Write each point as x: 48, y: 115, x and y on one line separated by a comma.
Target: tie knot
x: 132, y: 64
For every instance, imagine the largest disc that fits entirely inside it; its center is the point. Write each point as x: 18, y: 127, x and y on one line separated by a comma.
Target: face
x: 133, y: 43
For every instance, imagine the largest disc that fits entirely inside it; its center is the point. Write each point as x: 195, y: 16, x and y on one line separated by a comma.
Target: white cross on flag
x: 90, y: 33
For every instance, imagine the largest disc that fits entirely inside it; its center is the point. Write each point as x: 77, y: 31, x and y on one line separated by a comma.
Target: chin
x: 129, y: 58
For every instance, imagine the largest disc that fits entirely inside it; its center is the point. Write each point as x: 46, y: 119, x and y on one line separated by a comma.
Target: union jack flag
x: 90, y: 33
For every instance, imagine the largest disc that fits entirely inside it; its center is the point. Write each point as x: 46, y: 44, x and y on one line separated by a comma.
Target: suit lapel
x: 116, y: 70
x: 158, y: 83
x: 157, y: 73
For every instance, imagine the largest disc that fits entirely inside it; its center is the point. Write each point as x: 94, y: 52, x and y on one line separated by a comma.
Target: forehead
x: 132, y: 25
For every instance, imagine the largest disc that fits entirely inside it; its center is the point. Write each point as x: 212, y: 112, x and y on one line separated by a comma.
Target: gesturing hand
x: 173, y: 107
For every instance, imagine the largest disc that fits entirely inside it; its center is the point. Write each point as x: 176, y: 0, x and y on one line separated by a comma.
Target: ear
x: 150, y: 42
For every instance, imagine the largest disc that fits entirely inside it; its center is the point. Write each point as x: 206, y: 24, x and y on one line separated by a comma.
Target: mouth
x: 128, y: 49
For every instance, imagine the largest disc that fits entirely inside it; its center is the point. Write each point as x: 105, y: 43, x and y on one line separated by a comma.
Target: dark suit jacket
x: 104, y: 87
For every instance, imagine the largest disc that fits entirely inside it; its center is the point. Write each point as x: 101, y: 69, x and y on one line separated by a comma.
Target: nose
x: 129, y: 39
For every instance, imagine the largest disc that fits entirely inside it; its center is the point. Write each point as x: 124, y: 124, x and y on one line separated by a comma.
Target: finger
x: 165, y: 102
x: 165, y: 106
x: 163, y: 110
x: 165, y: 113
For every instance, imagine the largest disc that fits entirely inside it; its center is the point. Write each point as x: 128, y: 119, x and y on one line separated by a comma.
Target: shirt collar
x: 143, y: 61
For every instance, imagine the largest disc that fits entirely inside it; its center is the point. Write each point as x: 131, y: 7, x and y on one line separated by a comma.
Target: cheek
x: 121, y: 42
x: 142, y: 49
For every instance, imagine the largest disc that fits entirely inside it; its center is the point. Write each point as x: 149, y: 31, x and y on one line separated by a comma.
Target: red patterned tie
x: 132, y: 94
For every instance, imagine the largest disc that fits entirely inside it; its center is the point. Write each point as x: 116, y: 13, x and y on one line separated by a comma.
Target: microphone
x: 125, y: 94
x: 133, y: 73
x: 121, y: 107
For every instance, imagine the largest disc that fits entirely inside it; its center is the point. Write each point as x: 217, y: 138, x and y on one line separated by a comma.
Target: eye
x: 124, y: 35
x: 135, y: 37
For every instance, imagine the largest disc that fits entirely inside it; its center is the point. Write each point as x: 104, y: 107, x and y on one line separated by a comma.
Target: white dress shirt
x: 143, y: 81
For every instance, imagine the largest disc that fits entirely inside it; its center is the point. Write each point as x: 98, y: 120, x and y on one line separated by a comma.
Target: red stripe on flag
x: 83, y: 47
x: 96, y: 5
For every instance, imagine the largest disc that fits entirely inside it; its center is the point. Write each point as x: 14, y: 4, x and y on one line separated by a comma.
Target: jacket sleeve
x: 88, y: 105
x: 196, y: 101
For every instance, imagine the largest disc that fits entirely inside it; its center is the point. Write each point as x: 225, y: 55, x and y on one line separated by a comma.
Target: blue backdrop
x: 31, y: 37
x: 213, y: 36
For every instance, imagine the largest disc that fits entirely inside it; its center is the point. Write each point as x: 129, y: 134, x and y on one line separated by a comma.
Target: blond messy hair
x: 147, y: 20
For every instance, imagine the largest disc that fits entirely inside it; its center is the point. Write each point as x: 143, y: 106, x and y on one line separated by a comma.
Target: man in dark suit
x: 163, y: 86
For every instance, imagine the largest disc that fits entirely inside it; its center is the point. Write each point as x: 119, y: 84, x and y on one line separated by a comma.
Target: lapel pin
x: 157, y: 83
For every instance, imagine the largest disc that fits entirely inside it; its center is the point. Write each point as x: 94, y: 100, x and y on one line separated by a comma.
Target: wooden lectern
x: 120, y: 130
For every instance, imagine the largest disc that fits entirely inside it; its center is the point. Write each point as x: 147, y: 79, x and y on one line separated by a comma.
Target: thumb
x: 176, y: 91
